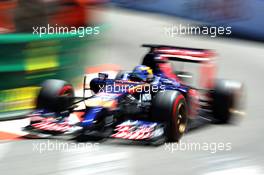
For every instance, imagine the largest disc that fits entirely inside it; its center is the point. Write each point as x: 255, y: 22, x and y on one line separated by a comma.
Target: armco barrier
x: 245, y: 17
x: 27, y: 60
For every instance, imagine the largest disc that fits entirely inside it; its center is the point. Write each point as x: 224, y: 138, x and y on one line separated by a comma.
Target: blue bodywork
x: 90, y: 116
x: 109, y: 91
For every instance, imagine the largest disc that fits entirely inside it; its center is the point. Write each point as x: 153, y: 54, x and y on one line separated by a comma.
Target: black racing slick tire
x: 55, y: 95
x: 170, y: 108
x: 226, y: 96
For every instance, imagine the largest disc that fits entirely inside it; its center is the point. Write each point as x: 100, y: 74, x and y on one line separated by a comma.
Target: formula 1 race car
x: 153, y: 103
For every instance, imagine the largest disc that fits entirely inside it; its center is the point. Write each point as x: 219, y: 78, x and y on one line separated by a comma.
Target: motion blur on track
x: 208, y: 150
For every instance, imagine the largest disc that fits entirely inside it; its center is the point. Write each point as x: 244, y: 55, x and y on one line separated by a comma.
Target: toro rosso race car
x: 152, y: 103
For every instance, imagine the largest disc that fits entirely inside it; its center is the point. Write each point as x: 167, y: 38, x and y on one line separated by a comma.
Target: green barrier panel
x: 27, y: 60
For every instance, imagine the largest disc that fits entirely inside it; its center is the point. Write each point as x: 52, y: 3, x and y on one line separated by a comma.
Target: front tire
x: 55, y: 95
x: 170, y: 107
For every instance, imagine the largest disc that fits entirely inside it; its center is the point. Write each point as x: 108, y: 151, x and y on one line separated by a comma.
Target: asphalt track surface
x: 239, y: 60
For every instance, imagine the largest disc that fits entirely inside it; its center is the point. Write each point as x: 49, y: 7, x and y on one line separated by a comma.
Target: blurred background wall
x: 26, y: 59
x: 245, y: 17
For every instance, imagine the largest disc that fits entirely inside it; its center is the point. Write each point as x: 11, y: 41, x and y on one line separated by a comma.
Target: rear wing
x: 159, y: 53
x: 183, y: 54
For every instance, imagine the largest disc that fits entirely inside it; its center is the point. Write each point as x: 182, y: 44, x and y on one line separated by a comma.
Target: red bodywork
x: 203, y: 57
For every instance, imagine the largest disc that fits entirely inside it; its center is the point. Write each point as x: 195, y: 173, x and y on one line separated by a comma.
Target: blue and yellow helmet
x: 143, y: 73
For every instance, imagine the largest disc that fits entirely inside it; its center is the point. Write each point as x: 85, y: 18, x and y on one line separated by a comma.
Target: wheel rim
x: 181, y: 120
x: 66, y: 91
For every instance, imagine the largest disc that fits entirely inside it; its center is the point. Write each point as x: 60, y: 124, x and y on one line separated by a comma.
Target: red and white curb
x: 13, y: 130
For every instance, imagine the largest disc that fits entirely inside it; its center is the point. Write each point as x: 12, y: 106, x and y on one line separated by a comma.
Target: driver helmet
x: 142, y: 73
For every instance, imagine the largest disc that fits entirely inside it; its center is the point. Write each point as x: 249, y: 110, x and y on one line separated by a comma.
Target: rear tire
x: 170, y: 107
x: 226, y: 97
x: 52, y: 93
